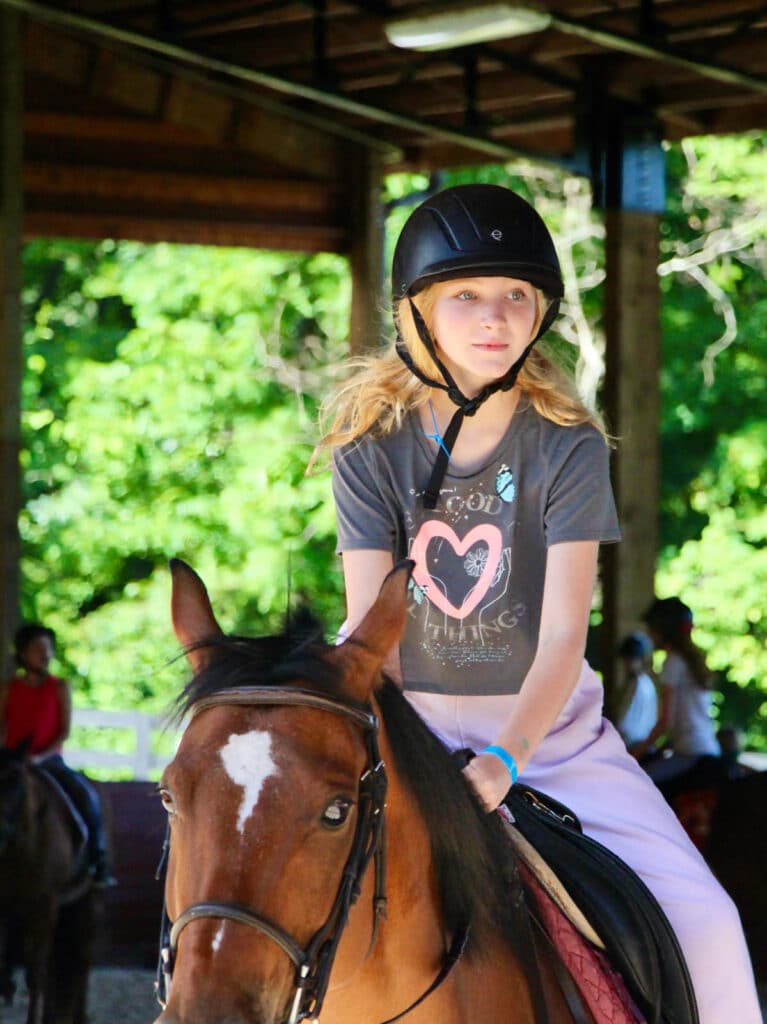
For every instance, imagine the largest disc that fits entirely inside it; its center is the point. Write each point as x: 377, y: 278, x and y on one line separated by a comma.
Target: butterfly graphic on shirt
x: 505, y: 487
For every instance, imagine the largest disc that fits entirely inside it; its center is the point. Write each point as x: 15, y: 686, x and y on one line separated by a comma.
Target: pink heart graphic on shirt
x: 431, y: 530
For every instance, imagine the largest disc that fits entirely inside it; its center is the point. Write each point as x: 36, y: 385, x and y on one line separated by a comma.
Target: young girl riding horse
x: 35, y: 710
x: 467, y: 449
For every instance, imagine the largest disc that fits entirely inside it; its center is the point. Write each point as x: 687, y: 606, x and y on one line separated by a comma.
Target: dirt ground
x: 114, y: 994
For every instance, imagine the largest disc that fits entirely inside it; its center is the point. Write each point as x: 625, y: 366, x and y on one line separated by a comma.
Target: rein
x: 314, y: 963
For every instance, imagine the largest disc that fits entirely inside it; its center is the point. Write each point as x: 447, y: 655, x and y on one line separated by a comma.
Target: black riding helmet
x: 476, y: 231
x: 471, y: 231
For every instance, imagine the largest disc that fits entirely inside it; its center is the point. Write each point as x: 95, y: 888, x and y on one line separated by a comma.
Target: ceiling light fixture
x: 446, y: 28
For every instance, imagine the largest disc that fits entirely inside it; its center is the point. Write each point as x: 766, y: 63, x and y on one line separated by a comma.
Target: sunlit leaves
x: 190, y: 440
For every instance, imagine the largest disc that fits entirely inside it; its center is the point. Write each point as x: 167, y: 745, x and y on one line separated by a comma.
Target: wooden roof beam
x: 118, y: 184
x: 199, y: 229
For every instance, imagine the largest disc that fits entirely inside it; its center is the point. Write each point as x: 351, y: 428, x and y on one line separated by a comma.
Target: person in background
x: 731, y: 741
x: 638, y: 699
x: 686, y: 685
x: 36, y: 710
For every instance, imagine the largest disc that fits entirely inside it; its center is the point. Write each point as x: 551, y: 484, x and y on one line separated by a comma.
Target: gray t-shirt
x: 475, y: 598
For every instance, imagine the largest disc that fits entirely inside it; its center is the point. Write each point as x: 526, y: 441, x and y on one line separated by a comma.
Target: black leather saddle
x: 638, y: 939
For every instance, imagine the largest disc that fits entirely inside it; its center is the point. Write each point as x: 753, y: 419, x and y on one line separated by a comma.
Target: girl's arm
x: 364, y: 572
x: 662, y: 723
x: 569, y: 583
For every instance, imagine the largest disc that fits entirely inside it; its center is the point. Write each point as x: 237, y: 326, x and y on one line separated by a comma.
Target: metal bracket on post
x: 619, y: 147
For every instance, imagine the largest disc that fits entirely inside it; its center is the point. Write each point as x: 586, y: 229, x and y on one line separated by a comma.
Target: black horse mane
x: 9, y: 759
x: 475, y: 869
x: 241, y: 661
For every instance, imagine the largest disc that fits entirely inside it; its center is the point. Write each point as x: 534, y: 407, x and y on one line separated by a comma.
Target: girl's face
x: 481, y: 326
x: 37, y: 654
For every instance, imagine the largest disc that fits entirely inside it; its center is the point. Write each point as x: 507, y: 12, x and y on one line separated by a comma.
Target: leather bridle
x: 314, y: 962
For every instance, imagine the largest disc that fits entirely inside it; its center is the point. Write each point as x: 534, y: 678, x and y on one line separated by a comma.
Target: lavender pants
x: 583, y: 762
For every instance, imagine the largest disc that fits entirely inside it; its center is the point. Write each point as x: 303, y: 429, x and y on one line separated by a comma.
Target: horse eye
x: 336, y: 813
x: 167, y: 801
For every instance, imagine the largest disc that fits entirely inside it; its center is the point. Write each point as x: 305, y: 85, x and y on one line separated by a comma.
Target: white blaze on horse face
x: 217, y: 938
x: 248, y: 762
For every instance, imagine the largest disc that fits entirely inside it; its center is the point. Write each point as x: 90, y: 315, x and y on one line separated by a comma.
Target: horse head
x: 274, y: 801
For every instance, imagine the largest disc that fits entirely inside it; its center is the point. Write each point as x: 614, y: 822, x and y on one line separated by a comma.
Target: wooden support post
x: 632, y: 404
x: 10, y: 324
x: 366, y: 227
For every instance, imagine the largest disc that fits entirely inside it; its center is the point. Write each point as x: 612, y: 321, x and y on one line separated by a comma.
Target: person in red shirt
x: 36, y: 712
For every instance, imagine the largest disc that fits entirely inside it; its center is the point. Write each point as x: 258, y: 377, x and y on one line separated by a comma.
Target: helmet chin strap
x: 466, y: 406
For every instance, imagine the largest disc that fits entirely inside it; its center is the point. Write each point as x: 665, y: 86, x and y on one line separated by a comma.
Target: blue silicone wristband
x: 507, y: 759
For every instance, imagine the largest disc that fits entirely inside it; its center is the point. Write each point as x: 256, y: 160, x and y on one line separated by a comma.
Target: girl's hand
x: 489, y: 778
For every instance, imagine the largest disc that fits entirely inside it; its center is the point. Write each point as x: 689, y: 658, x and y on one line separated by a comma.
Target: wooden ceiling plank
x: 285, y: 44
x: 190, y: 105
x: 256, y: 17
x: 55, y: 54
x: 120, y: 184
x: 261, y: 132
x: 736, y: 119
x: 525, y: 86
x: 276, y: 12
x: 300, y: 151
x: 688, y: 104
x: 303, y: 238
x: 442, y: 97
x: 130, y: 85
x: 106, y: 129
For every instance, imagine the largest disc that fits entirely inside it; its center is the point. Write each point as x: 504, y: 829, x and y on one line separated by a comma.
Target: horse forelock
x: 236, y: 662
x: 10, y: 759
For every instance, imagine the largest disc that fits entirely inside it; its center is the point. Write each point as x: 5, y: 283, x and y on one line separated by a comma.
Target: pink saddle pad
x: 601, y: 987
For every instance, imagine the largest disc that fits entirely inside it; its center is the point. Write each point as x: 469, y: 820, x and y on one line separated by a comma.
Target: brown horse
x: 275, y: 801
x: 44, y: 900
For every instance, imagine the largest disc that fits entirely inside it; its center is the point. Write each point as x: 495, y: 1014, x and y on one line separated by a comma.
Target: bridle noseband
x: 313, y: 963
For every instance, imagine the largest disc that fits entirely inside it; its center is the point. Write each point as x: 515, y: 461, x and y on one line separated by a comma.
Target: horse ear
x: 192, y: 614
x: 363, y: 653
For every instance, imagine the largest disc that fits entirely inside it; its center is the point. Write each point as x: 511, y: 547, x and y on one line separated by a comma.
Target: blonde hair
x: 376, y: 399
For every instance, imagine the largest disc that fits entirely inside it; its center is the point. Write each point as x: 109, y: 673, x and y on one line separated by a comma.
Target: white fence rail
x: 141, y: 761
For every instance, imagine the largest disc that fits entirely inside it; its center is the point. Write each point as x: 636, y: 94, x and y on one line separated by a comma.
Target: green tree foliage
x: 714, y: 411
x: 188, y: 435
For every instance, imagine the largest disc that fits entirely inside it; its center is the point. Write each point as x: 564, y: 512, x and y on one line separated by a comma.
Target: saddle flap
x: 551, y: 883
x: 616, y: 904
